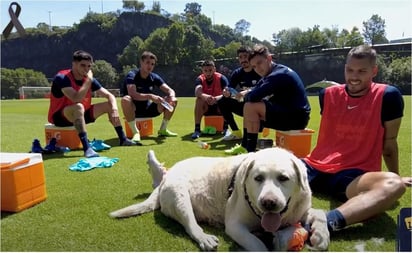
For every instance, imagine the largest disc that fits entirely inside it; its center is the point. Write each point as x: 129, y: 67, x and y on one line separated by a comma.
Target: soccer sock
x: 133, y: 127
x: 84, y: 140
x: 120, y: 133
x: 244, y: 139
x: 260, y: 134
x: 163, y: 126
x: 251, y: 142
x: 335, y: 220
x: 197, y: 127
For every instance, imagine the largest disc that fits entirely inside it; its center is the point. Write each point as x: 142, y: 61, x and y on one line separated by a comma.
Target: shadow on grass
x: 5, y: 214
x: 114, y: 142
x: 176, y: 229
x: 215, y: 141
x: 379, y: 226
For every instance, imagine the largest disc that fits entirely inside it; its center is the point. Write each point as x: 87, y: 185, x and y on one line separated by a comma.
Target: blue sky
x: 265, y: 16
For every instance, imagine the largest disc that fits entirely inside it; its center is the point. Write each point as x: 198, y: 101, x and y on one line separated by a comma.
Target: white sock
x: 163, y: 126
x: 133, y: 127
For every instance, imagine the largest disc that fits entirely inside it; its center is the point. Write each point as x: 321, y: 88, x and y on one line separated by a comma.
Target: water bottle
x: 203, y: 145
x: 63, y: 149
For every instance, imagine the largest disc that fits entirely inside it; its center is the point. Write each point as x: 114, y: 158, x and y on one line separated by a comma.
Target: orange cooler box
x: 22, y: 181
x: 145, y: 126
x: 297, y: 141
x: 65, y: 136
x: 214, y: 121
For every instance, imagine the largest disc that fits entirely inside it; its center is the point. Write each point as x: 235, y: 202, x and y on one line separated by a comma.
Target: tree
x: 195, y: 46
x: 400, y: 74
x: 105, y: 73
x: 133, y: 5
x: 131, y: 53
x: 374, y: 30
x: 331, y: 36
x: 192, y: 9
x: 242, y: 27
x: 352, y: 39
x: 13, y: 79
x: 156, y: 7
x: 288, y: 40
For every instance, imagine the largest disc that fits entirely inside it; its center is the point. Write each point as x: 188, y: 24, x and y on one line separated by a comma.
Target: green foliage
x: 156, y: 43
x: 105, y: 21
x: 131, y: 53
x: 196, y: 46
x: 105, y: 73
x: 13, y: 79
x: 156, y: 7
x: 242, y: 27
x: 133, y: 5
x: 192, y: 9
x: 400, y: 73
x: 167, y: 44
x: 374, y: 30
x: 228, y: 51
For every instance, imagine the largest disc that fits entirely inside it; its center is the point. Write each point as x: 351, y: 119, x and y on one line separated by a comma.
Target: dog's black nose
x: 269, y: 204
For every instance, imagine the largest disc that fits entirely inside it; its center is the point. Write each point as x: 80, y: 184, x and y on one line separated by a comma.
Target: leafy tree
x: 44, y: 28
x: 242, y: 27
x: 400, y: 70
x: 13, y: 79
x: 346, y: 39
x: 374, y: 30
x: 195, y: 46
x: 131, y: 53
x: 156, y: 43
x: 105, y: 73
x: 331, y: 36
x: 229, y: 51
x: 354, y: 38
x: 204, y: 22
x: 288, y: 40
x: 224, y: 31
x: 313, y: 37
x: 105, y: 21
x: 174, y: 40
x: 156, y: 7
x: 133, y: 5
x: 192, y: 9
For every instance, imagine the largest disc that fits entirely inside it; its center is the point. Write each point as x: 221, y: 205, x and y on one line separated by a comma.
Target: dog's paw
x: 320, y: 237
x: 208, y: 242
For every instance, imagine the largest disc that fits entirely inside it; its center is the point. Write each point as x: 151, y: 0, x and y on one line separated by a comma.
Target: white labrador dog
x: 245, y: 193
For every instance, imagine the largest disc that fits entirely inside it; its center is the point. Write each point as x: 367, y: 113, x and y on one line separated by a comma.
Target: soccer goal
x: 27, y: 92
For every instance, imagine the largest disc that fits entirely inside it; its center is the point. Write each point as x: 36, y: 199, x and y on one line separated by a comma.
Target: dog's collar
x: 250, y: 203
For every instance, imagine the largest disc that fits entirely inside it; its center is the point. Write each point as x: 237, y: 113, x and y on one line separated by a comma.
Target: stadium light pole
x: 50, y: 26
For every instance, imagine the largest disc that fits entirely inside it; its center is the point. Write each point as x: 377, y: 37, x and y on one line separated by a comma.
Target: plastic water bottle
x: 63, y: 149
x: 203, y: 145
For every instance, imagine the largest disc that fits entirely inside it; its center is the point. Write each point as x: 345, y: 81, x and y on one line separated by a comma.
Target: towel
x: 86, y: 164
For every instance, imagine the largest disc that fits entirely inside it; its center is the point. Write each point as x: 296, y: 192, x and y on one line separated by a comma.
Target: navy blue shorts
x: 279, y: 119
x: 149, y: 111
x: 60, y: 120
x: 332, y: 184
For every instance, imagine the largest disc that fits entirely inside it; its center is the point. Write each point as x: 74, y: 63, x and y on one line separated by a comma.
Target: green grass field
x: 74, y: 216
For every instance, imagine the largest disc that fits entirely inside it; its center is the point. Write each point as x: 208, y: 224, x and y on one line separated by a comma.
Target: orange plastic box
x: 297, y: 141
x: 65, y: 136
x: 22, y: 181
x: 145, y: 126
x: 214, y: 121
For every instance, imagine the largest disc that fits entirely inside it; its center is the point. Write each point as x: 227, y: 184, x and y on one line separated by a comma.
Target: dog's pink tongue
x: 271, y: 221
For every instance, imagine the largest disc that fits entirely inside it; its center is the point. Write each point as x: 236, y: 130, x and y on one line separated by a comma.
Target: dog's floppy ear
x: 301, y: 173
x: 245, y: 166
